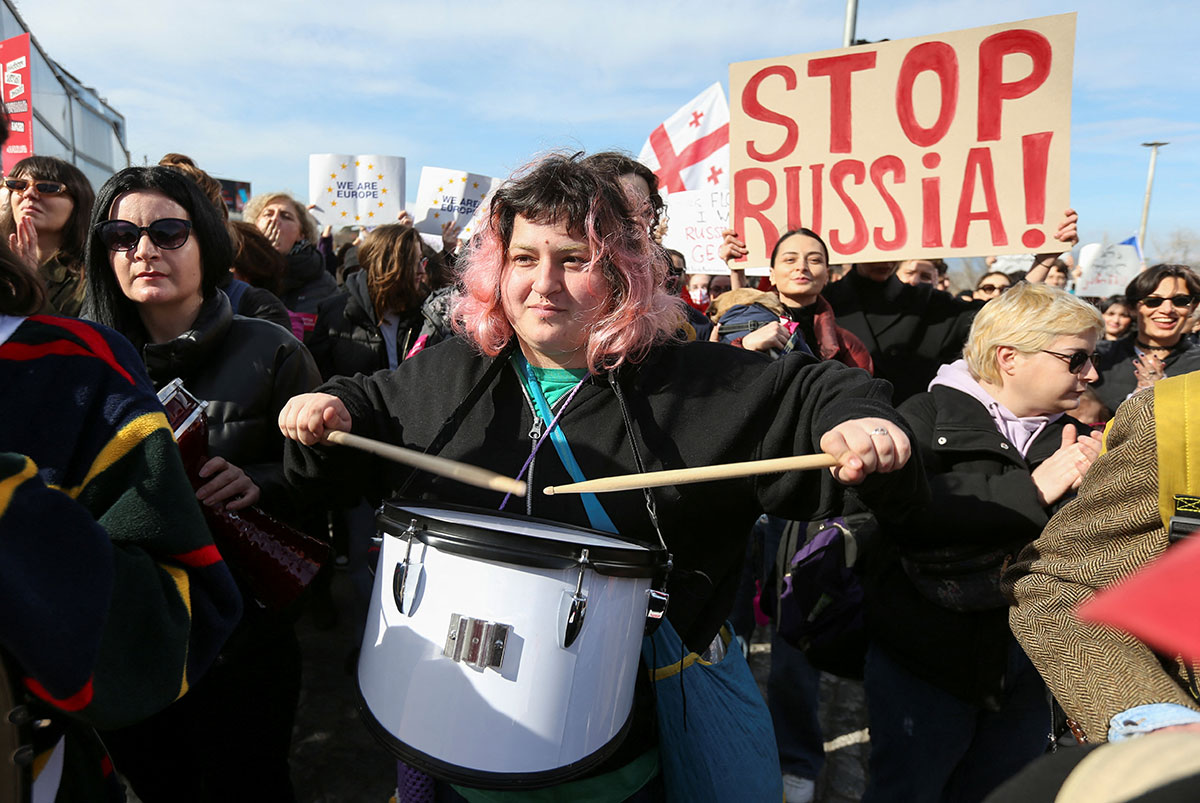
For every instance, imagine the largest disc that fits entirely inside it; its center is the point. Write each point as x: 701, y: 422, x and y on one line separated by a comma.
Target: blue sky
x: 250, y: 89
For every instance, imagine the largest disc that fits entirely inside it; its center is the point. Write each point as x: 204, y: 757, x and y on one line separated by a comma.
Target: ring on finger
x: 879, y: 431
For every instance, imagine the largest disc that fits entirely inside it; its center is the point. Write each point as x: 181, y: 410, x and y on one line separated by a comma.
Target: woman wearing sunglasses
x: 1162, y: 298
x: 991, y: 286
x: 156, y: 251
x: 51, y: 202
x: 955, y: 707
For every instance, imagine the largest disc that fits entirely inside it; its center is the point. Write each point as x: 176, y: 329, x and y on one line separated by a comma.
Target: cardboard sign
x: 695, y: 220
x: 355, y: 190
x: 18, y: 99
x: 450, y: 195
x: 1107, y: 269
x: 940, y: 146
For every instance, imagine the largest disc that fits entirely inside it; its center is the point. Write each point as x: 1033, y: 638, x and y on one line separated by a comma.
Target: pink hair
x: 638, y: 313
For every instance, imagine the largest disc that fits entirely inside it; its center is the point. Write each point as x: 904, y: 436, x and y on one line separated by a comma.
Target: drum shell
x: 548, y: 714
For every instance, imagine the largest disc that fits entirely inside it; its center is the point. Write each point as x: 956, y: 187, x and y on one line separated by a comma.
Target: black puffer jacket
x: 347, y: 340
x: 909, y: 331
x: 305, y: 281
x: 246, y: 369
x: 1115, y: 366
x: 982, y: 497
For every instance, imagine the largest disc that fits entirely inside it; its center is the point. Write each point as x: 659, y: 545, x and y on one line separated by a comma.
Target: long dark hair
x: 74, y: 233
x: 1148, y: 280
x: 105, y: 302
x: 390, y: 256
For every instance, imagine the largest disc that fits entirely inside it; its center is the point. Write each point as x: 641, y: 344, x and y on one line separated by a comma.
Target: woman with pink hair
x: 567, y: 333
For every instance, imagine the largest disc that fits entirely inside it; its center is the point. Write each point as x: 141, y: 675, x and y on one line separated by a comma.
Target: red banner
x: 18, y: 99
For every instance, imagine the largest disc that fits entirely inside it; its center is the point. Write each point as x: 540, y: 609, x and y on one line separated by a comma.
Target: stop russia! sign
x: 950, y: 145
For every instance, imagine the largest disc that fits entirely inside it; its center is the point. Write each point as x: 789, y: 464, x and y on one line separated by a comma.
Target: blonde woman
x: 948, y: 688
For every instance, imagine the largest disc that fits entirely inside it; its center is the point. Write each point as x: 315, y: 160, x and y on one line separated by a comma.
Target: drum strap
x: 454, y: 421
x: 651, y: 508
x: 596, y: 513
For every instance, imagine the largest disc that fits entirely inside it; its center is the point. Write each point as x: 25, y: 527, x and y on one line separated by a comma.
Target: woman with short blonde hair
x: 1001, y: 454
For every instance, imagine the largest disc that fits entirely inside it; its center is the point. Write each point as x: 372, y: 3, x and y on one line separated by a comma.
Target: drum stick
x: 470, y: 475
x: 683, y: 476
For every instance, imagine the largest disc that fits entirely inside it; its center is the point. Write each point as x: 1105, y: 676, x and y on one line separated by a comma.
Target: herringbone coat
x: 1107, y: 532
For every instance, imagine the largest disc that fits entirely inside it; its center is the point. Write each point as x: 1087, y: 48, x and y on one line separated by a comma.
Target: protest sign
x: 18, y: 99
x: 695, y: 220
x: 940, y: 146
x: 453, y: 195
x: 1011, y: 263
x: 690, y: 150
x: 1107, y: 269
x: 355, y: 190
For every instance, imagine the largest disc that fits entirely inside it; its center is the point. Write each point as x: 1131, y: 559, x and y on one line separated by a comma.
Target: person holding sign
x: 1162, y: 297
x: 563, y: 300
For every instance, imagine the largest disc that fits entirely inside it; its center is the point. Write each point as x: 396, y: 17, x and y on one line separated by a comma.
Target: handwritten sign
x: 1107, y: 269
x: 450, y: 195
x: 18, y: 99
x: 949, y: 145
x: 696, y: 219
x: 355, y: 190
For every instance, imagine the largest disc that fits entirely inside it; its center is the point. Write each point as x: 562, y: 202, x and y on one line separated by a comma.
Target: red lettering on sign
x: 837, y: 176
x: 744, y: 209
x: 993, y: 90
x: 979, y: 160
x: 879, y: 168
x: 1035, y: 153
x: 939, y: 58
x: 754, y: 108
x: 840, y: 70
x: 791, y: 191
x: 817, y: 172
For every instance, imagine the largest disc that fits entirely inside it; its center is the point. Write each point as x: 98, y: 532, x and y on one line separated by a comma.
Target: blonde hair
x: 255, y: 206
x: 1029, y: 317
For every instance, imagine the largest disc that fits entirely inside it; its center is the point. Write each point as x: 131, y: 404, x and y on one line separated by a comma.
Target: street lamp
x: 1153, y: 146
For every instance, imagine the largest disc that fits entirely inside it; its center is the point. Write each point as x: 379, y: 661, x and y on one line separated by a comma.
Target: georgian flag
x: 690, y: 151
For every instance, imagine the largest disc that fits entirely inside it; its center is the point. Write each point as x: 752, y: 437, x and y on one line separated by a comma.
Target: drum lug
x: 656, y: 608
x: 476, y: 642
x: 573, y: 608
x: 404, y: 585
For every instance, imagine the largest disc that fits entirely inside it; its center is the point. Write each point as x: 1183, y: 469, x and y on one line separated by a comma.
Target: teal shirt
x: 557, y: 382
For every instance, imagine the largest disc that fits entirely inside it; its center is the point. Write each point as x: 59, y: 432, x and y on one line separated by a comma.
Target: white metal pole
x: 1153, y: 146
x: 851, y: 21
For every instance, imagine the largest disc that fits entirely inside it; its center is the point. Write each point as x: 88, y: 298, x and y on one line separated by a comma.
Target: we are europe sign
x: 950, y: 145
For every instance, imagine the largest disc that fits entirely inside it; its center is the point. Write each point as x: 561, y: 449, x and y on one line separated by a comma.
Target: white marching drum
x: 502, y: 651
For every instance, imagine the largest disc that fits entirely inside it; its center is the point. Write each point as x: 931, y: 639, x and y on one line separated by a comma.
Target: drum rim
x: 484, y: 779
x: 637, y: 560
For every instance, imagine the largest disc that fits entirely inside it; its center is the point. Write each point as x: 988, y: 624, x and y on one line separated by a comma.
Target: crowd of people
x: 960, y: 428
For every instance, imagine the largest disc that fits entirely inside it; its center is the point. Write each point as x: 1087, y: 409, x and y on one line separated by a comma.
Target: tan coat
x: 1108, y: 531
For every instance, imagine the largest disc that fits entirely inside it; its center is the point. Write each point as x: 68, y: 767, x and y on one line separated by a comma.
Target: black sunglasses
x: 1075, y: 360
x: 992, y: 288
x: 168, y: 233
x: 1154, y: 302
x: 43, y: 187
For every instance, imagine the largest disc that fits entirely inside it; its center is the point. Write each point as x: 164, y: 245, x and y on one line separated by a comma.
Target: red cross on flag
x: 690, y: 151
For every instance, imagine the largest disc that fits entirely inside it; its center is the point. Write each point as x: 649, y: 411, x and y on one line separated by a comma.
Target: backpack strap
x: 1177, y: 424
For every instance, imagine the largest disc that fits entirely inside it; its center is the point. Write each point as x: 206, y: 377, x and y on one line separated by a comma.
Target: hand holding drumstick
x: 312, y: 418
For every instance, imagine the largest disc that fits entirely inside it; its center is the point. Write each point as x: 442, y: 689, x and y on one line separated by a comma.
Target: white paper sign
x: 355, y: 189
x: 451, y: 195
x: 1011, y: 263
x: 1107, y: 269
x: 695, y: 220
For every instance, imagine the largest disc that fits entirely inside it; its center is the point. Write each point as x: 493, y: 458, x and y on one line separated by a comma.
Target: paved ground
x: 335, y: 760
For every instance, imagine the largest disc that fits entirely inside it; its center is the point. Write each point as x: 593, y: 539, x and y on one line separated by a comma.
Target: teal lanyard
x: 595, y: 511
